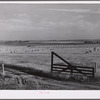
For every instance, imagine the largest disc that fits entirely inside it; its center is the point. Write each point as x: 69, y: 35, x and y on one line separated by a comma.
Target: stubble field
x: 31, y: 66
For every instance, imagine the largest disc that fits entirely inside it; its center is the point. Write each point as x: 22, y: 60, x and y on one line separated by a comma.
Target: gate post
x: 51, y: 61
x: 95, y: 66
x: 93, y: 72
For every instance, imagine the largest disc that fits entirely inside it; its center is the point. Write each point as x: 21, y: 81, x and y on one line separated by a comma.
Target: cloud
x: 88, y: 11
x: 50, y: 23
x: 72, y: 10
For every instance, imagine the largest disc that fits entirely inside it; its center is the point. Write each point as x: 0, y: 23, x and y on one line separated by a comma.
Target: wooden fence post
x: 93, y: 71
x: 3, y: 71
x: 95, y: 66
x: 51, y: 61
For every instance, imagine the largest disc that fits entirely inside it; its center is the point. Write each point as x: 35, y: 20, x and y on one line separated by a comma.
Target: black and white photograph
x: 49, y: 46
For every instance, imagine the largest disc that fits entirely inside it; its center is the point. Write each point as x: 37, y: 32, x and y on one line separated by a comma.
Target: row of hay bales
x: 93, y: 50
x: 21, y: 50
x: 24, y: 49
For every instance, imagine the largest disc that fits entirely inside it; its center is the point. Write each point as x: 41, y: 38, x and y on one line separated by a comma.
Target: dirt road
x: 16, y: 80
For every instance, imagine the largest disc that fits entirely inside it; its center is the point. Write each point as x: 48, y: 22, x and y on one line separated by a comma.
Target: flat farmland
x: 38, y: 57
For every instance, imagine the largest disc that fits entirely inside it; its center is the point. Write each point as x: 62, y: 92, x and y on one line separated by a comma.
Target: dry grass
x: 35, y: 62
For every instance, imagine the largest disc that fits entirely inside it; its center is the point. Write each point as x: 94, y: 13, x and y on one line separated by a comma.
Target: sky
x: 49, y: 21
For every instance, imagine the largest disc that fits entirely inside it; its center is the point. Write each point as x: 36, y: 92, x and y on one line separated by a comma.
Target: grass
x: 56, y: 76
x: 38, y: 61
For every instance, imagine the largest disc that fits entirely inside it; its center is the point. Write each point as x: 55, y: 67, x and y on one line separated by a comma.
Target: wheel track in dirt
x: 40, y: 82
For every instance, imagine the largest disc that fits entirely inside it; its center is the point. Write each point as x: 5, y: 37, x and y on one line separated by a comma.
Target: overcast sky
x: 49, y: 22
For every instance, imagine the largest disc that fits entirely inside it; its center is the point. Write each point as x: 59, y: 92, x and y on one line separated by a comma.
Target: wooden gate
x: 69, y: 68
